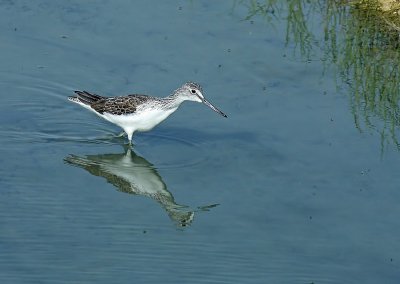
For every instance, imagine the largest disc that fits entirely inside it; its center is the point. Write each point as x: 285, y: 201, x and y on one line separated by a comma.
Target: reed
x: 360, y: 39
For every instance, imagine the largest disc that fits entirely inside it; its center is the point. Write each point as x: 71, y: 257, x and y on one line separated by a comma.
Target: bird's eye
x: 193, y: 91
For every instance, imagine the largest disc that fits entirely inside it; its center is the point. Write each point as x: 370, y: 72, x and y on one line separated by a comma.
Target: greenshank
x: 140, y: 112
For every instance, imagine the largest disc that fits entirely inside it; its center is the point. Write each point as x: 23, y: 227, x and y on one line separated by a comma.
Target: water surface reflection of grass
x: 361, y: 42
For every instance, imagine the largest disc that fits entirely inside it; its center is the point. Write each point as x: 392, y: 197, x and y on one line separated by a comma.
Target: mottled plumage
x: 140, y: 112
x: 118, y: 105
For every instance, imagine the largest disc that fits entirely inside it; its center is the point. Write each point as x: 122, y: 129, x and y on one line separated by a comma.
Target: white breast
x: 142, y: 121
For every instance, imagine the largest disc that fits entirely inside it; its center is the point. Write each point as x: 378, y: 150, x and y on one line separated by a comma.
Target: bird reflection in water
x: 133, y: 174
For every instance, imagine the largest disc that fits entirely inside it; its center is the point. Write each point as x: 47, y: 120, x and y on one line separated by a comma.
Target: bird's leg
x: 130, y: 138
x: 131, y: 144
x: 121, y: 134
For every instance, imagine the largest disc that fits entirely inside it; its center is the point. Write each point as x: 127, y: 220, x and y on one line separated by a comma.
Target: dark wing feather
x: 119, y: 105
x: 88, y: 98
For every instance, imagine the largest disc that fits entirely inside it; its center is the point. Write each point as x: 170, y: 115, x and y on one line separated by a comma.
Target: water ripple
x: 38, y: 112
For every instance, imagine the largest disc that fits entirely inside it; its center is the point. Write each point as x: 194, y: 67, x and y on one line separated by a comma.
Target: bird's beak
x: 207, y: 103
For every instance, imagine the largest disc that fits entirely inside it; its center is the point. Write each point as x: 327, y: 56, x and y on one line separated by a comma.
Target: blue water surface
x: 285, y: 190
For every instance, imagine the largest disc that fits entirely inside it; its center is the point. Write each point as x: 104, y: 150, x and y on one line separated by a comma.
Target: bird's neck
x: 174, y: 100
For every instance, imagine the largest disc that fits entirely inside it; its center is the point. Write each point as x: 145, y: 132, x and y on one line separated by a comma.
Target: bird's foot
x: 122, y: 134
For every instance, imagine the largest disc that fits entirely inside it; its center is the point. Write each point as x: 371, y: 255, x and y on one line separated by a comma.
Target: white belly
x: 142, y: 121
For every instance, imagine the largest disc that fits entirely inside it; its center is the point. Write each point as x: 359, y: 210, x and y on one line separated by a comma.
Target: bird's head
x: 193, y: 92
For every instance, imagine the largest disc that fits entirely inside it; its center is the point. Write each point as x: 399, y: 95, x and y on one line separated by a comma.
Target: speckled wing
x: 119, y: 105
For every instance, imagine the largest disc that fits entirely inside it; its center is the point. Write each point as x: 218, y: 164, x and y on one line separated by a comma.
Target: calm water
x: 288, y: 189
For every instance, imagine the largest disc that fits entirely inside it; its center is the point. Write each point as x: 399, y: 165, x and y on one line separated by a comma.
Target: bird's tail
x: 84, y: 97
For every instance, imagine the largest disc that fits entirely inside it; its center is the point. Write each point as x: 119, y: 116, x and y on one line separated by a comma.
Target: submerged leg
x: 121, y: 134
x: 130, y: 133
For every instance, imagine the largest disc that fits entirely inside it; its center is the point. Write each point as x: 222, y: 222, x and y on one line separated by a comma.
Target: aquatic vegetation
x: 368, y: 62
x: 361, y: 39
